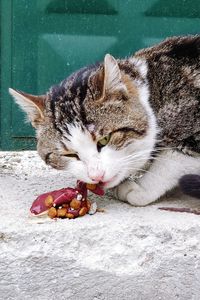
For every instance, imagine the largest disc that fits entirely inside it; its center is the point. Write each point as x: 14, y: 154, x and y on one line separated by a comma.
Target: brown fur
x: 173, y: 76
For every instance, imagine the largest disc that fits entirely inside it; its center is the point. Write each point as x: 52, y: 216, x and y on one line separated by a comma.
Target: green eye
x: 103, y: 142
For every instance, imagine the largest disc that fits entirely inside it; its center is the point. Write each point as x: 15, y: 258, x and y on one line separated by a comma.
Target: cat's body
x: 117, y: 117
x: 174, y: 84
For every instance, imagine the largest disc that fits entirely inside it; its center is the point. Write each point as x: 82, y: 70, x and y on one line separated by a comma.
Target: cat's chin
x: 114, y: 181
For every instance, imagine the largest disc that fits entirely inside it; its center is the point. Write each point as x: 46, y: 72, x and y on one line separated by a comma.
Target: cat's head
x: 97, y: 123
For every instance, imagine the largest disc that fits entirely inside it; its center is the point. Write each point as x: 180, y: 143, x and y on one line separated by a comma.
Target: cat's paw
x: 138, y: 198
x: 132, y: 193
x: 121, y: 191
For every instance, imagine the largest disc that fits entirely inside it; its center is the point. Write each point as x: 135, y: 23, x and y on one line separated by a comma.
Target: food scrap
x: 182, y: 209
x: 67, y: 202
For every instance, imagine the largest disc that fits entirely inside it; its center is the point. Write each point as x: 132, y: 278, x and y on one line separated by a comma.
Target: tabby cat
x: 123, y: 117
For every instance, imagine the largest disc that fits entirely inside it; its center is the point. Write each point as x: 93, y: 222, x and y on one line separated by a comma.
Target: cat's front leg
x: 162, y: 176
x: 132, y: 192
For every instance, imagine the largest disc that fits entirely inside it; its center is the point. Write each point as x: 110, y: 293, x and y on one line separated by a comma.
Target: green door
x: 43, y: 41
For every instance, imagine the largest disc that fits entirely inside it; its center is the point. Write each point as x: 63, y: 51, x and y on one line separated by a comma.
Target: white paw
x: 138, y: 198
x: 121, y: 191
x: 133, y: 193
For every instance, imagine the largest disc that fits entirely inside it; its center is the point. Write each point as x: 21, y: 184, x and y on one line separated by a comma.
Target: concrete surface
x: 124, y: 253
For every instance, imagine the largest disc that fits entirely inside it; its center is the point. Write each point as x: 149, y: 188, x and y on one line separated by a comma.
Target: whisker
x: 131, y: 158
x: 138, y: 154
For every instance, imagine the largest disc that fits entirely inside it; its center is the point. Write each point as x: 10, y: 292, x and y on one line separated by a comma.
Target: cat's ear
x: 32, y: 105
x: 112, y: 75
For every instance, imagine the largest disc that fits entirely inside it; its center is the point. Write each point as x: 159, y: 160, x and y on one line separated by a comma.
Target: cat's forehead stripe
x: 79, y: 82
x: 68, y: 97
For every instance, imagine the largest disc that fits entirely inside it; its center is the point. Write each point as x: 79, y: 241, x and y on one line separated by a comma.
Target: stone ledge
x: 124, y: 253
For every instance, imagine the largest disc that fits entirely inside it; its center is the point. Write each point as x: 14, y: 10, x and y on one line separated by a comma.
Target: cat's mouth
x: 109, y: 183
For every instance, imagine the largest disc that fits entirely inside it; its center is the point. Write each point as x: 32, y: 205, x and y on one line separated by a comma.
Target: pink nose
x: 97, y: 178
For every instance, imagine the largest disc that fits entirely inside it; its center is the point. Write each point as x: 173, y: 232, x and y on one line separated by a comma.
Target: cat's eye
x: 72, y: 155
x: 103, y: 142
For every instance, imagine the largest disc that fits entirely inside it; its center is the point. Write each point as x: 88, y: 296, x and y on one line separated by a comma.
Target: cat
x: 122, y: 117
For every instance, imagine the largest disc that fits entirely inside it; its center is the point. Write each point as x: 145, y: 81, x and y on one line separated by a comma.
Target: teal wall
x: 43, y: 41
